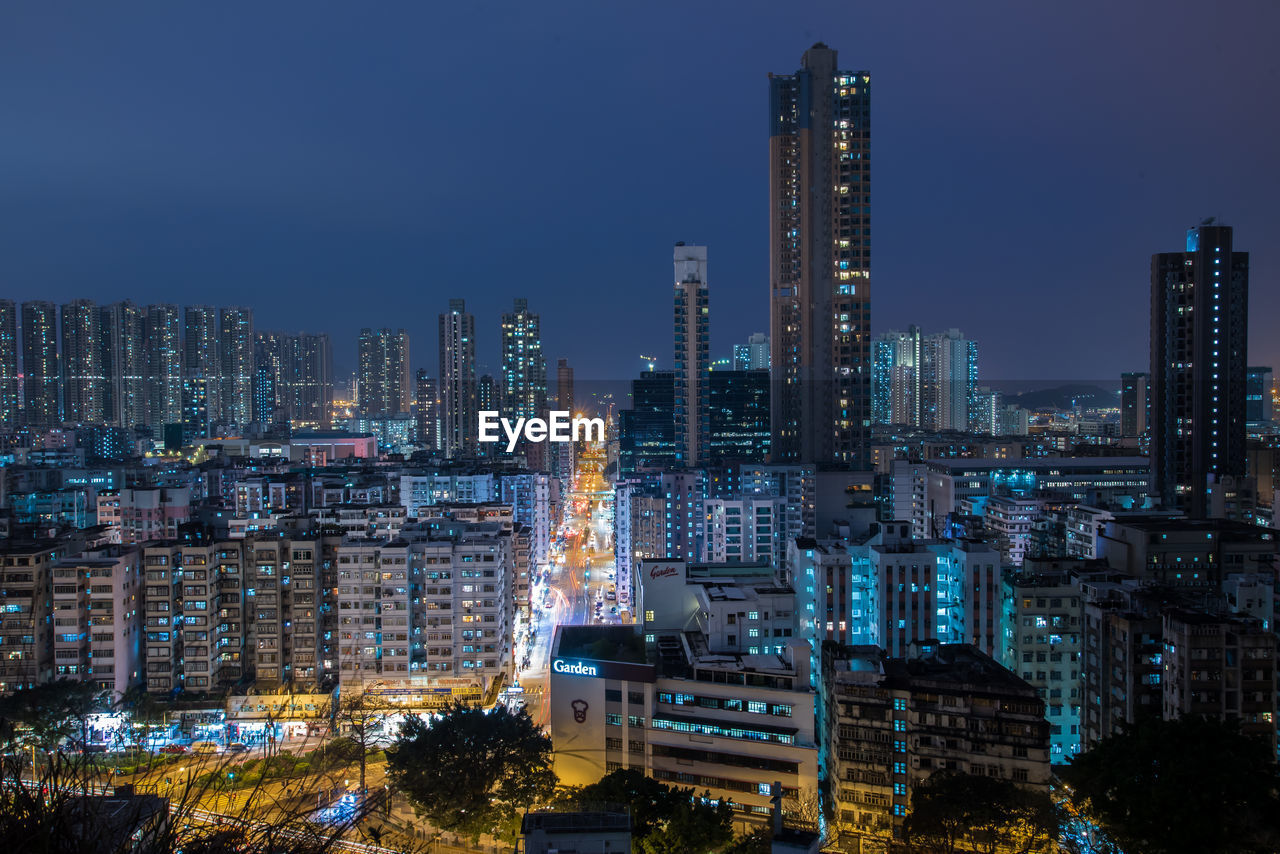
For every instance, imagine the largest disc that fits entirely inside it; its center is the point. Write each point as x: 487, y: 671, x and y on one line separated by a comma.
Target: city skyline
x: 108, y: 212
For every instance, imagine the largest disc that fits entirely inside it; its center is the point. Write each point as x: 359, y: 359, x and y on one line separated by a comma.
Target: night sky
x: 338, y: 165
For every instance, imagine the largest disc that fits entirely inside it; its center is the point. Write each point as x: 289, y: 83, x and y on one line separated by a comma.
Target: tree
x: 142, y: 711
x: 51, y: 712
x: 1192, y: 784
x: 663, y: 818
x: 361, y: 717
x: 954, y: 812
x: 471, y: 771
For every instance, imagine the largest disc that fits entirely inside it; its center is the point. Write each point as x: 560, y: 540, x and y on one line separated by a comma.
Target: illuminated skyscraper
x: 524, y: 370
x: 752, y: 356
x: 897, y: 358
x: 9, y: 415
x: 1199, y: 347
x: 201, y: 367
x: 384, y: 373
x: 164, y: 365
x: 83, y: 380
x: 428, y: 412
x: 235, y: 332
x: 458, y: 411
x: 124, y: 364
x: 820, y: 262
x: 692, y: 353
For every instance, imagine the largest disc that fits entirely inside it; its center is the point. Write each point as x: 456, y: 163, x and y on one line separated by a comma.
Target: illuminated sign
x: 662, y: 571
x: 576, y: 668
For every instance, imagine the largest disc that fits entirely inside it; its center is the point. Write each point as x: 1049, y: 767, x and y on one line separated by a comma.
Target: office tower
x: 820, y: 262
x: 82, y: 375
x: 9, y: 417
x: 948, y: 381
x: 1258, y: 391
x: 1134, y: 403
x: 124, y: 364
x: 384, y: 373
x: 738, y: 416
x: 524, y: 369
x: 646, y: 432
x: 428, y: 412
x: 202, y: 362
x: 235, y: 330
x: 458, y: 410
x: 164, y: 365
x: 692, y: 353
x: 1199, y: 343
x: 752, y: 356
x: 897, y: 359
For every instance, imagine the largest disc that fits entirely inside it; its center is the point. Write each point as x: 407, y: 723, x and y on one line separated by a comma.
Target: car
x: 237, y: 747
x: 173, y: 748
x: 205, y: 748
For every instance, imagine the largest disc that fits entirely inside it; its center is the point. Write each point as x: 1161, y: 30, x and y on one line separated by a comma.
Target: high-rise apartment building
x: 458, y: 410
x: 293, y: 379
x: 897, y: 362
x: 124, y: 363
x: 164, y: 365
x: 692, y: 353
x: 949, y: 381
x: 236, y: 352
x: 563, y: 455
x: 9, y: 415
x: 488, y: 394
x: 40, y: 363
x: 646, y: 431
x: 524, y: 369
x: 752, y: 356
x: 428, y: 412
x: 1134, y: 403
x: 201, y: 363
x: 1199, y: 347
x: 820, y: 261
x: 384, y: 389
x: 82, y: 374
x: 926, y: 381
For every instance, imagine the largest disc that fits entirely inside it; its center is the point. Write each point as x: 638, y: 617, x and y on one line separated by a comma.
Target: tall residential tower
x: 692, y: 353
x: 820, y: 262
x: 1199, y: 351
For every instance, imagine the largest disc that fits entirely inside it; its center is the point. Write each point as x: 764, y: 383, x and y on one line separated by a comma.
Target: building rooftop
x: 602, y: 643
x: 577, y: 822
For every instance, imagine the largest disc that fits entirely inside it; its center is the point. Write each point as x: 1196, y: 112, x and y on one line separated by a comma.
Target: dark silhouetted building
x: 1199, y: 344
x: 1134, y: 403
x: 647, y: 431
x: 820, y: 262
x: 738, y: 416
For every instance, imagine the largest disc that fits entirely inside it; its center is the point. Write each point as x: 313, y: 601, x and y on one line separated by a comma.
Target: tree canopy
x: 1192, y: 784
x: 964, y: 812
x: 471, y: 771
x: 664, y: 819
x: 50, y: 712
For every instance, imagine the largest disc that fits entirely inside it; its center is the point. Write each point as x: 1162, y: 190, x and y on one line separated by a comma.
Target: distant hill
x: 1065, y: 397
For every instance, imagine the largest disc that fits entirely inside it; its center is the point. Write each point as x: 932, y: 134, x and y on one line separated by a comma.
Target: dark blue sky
x: 337, y: 165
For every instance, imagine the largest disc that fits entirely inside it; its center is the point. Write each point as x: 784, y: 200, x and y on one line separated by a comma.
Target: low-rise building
x: 893, y: 722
